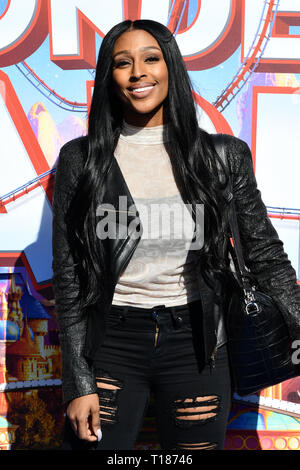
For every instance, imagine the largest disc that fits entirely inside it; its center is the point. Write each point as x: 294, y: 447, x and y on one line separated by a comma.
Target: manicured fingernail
x: 99, y: 434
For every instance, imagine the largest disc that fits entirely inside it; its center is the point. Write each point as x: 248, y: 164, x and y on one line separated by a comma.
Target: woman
x: 138, y: 312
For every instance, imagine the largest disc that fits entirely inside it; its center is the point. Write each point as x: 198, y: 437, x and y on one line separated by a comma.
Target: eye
x: 121, y: 63
x: 152, y: 59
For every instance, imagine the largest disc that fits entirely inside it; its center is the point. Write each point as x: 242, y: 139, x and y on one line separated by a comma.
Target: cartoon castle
x: 23, y: 327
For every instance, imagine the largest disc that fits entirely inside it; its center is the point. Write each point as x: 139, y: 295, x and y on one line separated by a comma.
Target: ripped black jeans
x: 159, y: 350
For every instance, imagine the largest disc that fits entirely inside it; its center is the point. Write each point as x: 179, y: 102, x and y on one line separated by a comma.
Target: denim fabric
x: 158, y: 350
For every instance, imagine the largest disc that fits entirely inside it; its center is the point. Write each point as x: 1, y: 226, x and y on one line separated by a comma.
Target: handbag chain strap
x: 242, y: 271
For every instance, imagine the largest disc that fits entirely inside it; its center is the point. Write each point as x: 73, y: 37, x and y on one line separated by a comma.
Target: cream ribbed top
x: 160, y: 270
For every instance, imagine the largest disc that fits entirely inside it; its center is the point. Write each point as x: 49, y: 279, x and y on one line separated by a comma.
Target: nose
x: 137, y: 71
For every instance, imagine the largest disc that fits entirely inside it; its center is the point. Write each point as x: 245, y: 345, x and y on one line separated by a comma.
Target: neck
x: 155, y: 118
x: 144, y: 135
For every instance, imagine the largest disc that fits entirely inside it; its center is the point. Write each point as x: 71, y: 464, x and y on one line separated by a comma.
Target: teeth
x: 139, y: 90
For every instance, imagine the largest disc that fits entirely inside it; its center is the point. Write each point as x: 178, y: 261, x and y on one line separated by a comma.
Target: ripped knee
x: 199, y: 410
x: 108, y: 390
x: 194, y: 411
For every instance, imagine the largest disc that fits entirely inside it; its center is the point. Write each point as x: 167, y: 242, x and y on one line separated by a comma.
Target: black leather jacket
x: 81, y: 336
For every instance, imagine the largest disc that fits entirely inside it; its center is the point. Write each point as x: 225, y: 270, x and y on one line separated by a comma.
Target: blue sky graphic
x: 71, y: 84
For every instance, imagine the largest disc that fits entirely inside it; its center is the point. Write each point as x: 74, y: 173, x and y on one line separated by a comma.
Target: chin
x: 144, y: 109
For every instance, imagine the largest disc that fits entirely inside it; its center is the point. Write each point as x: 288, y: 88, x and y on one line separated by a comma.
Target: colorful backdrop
x: 243, y: 57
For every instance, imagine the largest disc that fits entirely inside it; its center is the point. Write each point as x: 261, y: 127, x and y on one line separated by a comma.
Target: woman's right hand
x: 84, y: 415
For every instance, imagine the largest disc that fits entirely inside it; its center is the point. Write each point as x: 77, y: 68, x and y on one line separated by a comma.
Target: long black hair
x: 194, y: 161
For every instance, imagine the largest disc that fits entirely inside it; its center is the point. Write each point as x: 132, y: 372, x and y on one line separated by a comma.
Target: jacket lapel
x: 120, y: 211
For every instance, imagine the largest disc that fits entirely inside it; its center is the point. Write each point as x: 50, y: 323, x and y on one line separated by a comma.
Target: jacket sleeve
x: 77, y: 377
x: 263, y: 250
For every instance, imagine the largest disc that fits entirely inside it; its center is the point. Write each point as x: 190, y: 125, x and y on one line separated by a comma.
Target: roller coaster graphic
x: 227, y: 95
x: 253, y: 57
x: 178, y: 7
x: 177, y: 10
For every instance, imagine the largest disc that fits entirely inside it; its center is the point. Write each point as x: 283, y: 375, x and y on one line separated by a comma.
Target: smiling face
x: 140, y: 78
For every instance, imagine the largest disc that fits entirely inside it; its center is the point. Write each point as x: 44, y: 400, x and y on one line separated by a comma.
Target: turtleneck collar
x: 143, y: 135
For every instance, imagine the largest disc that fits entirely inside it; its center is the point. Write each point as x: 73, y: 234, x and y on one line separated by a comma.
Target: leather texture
x: 81, y: 336
x: 259, y: 345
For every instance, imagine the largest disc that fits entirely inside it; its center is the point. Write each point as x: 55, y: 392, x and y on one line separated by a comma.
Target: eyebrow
x: 141, y: 49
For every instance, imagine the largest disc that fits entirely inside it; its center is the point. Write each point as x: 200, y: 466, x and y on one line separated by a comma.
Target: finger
x: 95, y: 424
x: 83, y: 430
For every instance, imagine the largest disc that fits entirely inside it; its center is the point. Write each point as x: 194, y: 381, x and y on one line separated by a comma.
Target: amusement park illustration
x: 30, y: 362
x: 30, y: 353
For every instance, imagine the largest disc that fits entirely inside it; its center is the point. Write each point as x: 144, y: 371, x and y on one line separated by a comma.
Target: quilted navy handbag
x: 259, y: 343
